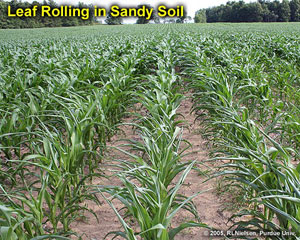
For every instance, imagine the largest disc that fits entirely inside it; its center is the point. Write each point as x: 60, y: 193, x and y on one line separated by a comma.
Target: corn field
x: 64, y: 94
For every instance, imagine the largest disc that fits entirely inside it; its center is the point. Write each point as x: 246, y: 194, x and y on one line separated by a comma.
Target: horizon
x: 190, y: 6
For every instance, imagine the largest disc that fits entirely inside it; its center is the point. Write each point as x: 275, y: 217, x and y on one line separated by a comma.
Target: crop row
x: 147, y: 178
x: 252, y: 119
x: 56, y: 115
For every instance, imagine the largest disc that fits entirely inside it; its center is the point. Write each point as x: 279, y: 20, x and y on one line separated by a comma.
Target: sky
x: 191, y: 6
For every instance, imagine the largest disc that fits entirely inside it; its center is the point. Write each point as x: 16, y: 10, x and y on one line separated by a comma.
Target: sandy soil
x: 209, y: 205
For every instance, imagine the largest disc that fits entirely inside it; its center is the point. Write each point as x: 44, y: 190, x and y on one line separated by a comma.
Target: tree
x: 214, y: 14
x: 266, y: 13
x: 236, y: 15
x: 269, y: 16
x: 3, y: 19
x: 110, y: 20
x: 274, y: 8
x: 262, y: 10
x: 227, y: 12
x: 285, y: 11
x: 188, y: 19
x: 156, y: 19
x: 182, y: 18
x: 295, y: 10
x: 38, y: 20
x: 200, y: 16
x: 143, y: 20
x: 251, y: 12
x: 91, y: 18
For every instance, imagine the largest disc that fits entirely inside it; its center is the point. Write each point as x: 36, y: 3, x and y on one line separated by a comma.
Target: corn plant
x: 17, y: 224
x: 262, y: 167
x: 147, y: 194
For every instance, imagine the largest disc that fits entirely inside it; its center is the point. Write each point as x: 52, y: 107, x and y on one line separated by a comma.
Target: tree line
x: 39, y: 21
x: 260, y: 11
x: 232, y: 11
